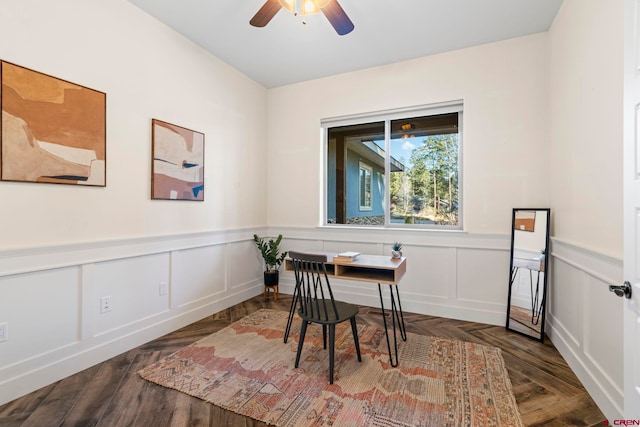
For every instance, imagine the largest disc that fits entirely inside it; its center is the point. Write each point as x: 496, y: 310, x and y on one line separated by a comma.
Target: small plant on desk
x: 396, y: 250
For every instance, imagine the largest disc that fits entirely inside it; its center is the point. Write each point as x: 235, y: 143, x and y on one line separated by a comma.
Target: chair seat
x: 345, y: 312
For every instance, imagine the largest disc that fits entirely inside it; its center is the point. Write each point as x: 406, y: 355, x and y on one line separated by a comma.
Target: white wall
x: 585, y: 157
x: 504, y: 89
x: 147, y: 71
x: 62, y: 247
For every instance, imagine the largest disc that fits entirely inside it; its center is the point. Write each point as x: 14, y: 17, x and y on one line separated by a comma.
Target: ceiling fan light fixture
x: 309, y: 7
x: 287, y: 4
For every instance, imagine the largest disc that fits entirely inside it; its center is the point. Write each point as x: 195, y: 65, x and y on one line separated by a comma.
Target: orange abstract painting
x: 52, y: 130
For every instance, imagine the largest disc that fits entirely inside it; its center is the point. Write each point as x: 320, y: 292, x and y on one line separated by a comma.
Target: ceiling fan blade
x: 337, y: 17
x: 266, y: 13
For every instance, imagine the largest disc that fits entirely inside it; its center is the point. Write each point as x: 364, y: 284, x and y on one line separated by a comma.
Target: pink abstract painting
x: 178, y: 162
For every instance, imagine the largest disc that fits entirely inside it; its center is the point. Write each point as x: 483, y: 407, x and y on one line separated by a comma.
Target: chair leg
x: 303, y: 331
x: 294, y: 304
x: 354, y: 329
x: 332, y: 342
x: 324, y: 336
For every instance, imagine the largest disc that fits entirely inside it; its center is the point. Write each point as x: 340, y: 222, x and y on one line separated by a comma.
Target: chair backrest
x: 314, y: 290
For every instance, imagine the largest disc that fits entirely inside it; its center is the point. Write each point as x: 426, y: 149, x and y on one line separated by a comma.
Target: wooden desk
x: 380, y: 269
x: 365, y: 268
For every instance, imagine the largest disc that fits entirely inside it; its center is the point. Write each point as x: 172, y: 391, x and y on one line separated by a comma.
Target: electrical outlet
x: 163, y: 288
x: 105, y: 304
x: 4, y: 332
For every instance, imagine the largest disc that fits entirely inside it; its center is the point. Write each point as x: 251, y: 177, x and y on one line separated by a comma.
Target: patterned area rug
x: 246, y: 368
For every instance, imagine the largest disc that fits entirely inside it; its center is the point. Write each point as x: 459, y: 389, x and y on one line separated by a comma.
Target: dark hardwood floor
x: 112, y: 394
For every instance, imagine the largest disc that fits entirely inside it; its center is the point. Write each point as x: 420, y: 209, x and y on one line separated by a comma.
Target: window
x: 365, y: 187
x: 395, y: 168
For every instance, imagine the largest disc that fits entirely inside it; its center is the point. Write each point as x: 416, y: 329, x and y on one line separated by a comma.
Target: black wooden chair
x: 317, y: 305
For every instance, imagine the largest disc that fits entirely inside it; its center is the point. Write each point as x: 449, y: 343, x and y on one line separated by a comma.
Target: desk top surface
x: 529, y: 263
x: 364, y: 260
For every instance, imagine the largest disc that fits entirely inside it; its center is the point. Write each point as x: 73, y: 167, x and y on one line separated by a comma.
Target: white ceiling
x: 386, y: 31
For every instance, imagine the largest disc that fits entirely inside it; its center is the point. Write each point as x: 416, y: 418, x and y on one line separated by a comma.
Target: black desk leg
x: 401, y: 326
x: 536, y: 308
x: 396, y: 316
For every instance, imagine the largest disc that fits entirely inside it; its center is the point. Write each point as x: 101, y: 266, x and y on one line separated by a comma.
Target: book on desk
x: 346, y: 256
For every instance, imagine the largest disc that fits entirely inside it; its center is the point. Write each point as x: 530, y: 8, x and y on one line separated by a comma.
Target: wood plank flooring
x: 112, y: 394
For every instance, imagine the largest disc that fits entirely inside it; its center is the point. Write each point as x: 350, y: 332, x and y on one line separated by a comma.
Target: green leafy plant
x: 397, y: 246
x: 270, y: 251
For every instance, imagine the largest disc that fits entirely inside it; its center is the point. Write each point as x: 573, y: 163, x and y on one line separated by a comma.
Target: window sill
x: 415, y: 228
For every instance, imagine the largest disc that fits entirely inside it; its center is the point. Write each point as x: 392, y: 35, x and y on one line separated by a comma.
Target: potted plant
x: 396, y: 250
x: 270, y: 251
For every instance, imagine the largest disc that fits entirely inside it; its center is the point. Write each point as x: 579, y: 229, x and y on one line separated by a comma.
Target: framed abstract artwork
x: 177, y: 171
x: 525, y: 220
x: 53, y: 131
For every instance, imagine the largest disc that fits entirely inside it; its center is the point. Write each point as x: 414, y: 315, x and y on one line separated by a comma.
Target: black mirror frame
x: 546, y: 271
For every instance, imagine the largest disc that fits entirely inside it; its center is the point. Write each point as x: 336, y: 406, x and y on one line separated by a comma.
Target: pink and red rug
x: 246, y: 368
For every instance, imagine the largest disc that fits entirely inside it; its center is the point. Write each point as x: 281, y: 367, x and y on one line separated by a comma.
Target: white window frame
x: 362, y: 166
x: 387, y: 116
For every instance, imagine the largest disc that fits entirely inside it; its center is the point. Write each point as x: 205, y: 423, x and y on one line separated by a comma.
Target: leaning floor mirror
x: 528, y: 272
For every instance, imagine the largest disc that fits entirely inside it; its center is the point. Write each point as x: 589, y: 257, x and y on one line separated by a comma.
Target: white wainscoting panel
x: 41, y: 311
x: 197, y: 274
x: 132, y: 285
x: 565, y: 303
x: 480, y: 281
x: 241, y: 273
x: 449, y: 274
x: 430, y: 271
x: 50, y: 298
x: 602, y: 320
x: 584, y: 321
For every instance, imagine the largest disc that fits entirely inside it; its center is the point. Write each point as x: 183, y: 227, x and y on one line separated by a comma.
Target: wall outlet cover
x: 105, y: 304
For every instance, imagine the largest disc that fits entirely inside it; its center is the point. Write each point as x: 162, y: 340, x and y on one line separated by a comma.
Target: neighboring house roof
x: 375, y: 154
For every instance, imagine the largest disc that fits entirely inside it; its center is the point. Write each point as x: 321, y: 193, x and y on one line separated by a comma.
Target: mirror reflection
x: 528, y: 278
